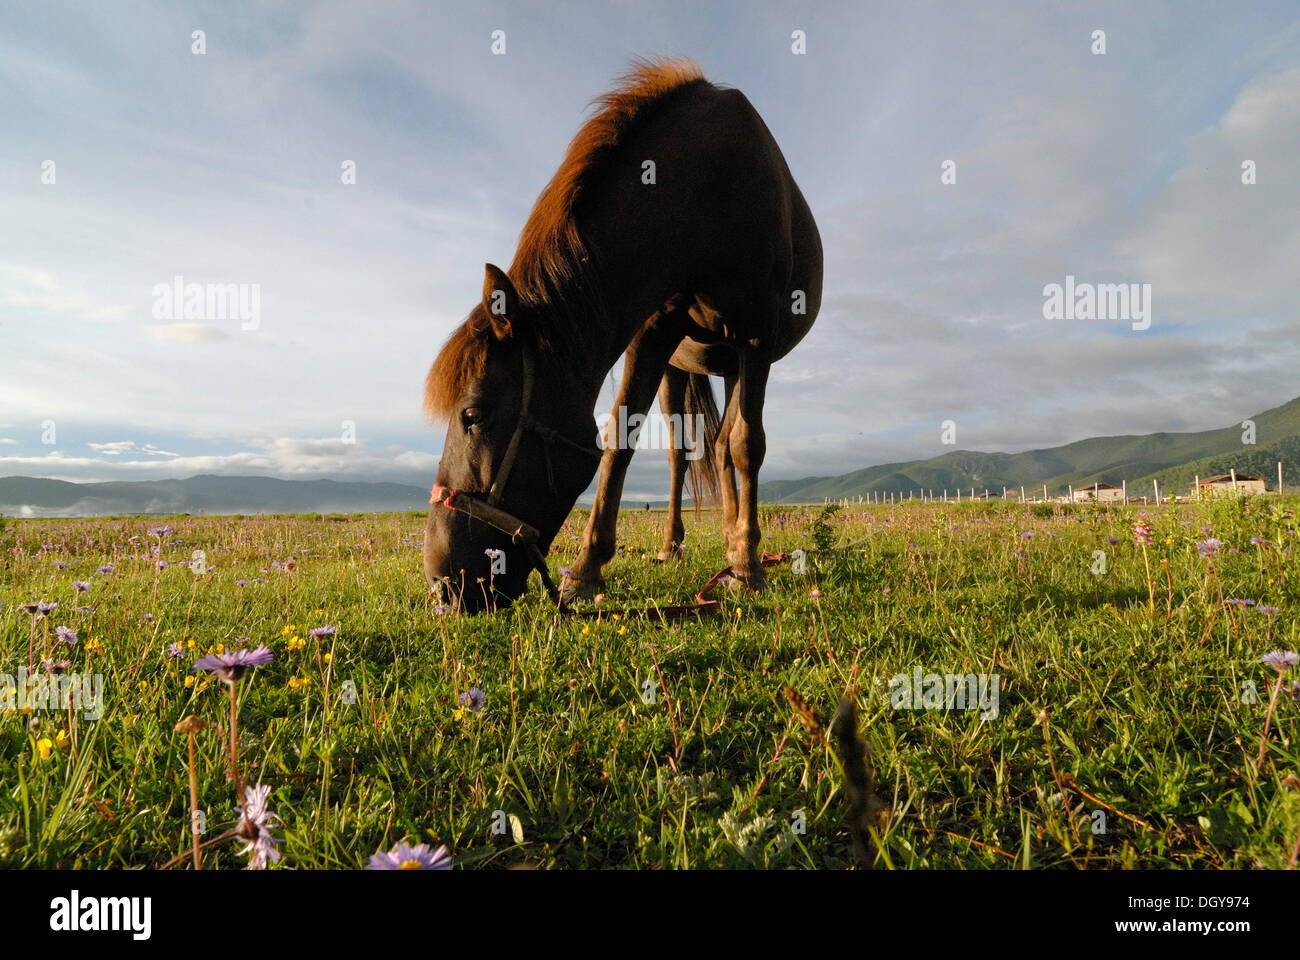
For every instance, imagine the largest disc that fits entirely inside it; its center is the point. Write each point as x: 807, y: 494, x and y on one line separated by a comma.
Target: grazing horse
x: 673, y: 234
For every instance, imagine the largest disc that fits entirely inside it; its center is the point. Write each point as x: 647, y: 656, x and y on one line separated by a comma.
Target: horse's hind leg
x: 672, y: 400
x: 747, y: 445
x: 726, y: 468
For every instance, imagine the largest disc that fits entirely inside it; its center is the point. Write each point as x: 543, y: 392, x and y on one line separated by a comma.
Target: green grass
x: 1143, y: 702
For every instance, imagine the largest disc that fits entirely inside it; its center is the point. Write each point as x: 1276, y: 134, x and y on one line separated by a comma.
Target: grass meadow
x: 1131, y: 713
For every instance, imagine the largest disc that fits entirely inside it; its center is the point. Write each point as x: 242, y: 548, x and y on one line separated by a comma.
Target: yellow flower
x: 143, y: 685
x: 327, y: 657
x: 92, y: 646
x: 460, y: 713
x: 43, y: 745
x: 586, y: 630
x: 1168, y: 540
x: 62, y: 741
x: 622, y: 631
x: 299, y: 683
x: 616, y: 616
x: 130, y: 718
x: 318, y: 611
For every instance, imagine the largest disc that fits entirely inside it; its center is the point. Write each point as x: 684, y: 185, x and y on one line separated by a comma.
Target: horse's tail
x: 701, y: 416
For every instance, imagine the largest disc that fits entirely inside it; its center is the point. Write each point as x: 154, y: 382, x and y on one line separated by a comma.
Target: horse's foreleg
x: 747, y: 444
x: 643, y: 368
x: 672, y: 400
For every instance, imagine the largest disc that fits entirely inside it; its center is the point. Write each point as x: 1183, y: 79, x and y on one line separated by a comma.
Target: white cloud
x: 287, y: 458
x: 187, y: 333
x: 113, y: 448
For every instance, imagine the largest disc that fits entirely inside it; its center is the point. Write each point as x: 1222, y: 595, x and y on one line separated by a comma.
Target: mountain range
x: 33, y: 497
x: 1173, y: 459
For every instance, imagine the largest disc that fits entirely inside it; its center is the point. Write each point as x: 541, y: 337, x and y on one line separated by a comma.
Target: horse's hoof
x: 752, y: 584
x: 663, y: 556
x: 572, y: 589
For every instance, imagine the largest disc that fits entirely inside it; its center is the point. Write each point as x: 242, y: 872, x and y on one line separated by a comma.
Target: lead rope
x: 526, y: 536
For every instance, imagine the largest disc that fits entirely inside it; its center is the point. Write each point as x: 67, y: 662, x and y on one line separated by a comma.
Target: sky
x: 128, y: 159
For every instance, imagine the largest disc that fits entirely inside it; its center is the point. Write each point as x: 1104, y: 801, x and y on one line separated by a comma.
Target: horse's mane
x: 552, y: 267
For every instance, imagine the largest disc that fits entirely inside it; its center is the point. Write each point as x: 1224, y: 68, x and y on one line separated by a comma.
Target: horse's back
x: 757, y: 210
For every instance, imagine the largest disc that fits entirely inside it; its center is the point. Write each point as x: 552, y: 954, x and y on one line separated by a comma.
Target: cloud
x: 1213, y: 247
x: 187, y: 333
x: 114, y: 448
x: 287, y: 458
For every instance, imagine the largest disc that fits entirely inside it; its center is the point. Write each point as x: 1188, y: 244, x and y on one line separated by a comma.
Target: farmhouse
x: 1223, y: 484
x: 1099, y: 493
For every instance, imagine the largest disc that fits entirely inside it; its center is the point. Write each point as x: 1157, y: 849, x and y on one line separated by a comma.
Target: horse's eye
x: 470, y: 417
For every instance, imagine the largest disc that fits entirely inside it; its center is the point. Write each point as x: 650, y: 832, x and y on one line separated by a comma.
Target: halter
x: 487, y: 509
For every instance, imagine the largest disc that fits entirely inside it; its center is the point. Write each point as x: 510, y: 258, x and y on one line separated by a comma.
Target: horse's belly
x: 717, y: 359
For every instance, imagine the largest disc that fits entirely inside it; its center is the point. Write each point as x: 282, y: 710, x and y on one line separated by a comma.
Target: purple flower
x: 1267, y: 611
x: 61, y: 565
x: 405, y: 857
x: 160, y: 531
x: 55, y: 667
x: 233, y: 665
x: 81, y: 586
x: 1258, y: 541
x: 105, y: 569
x: 45, y: 608
x: 1112, y: 540
x: 474, y: 698
x: 1141, y: 534
x: 67, y: 635
x: 1280, y: 659
x: 322, y: 631
x: 815, y: 593
x: 1208, y: 548
x: 241, y: 583
x: 162, y: 564
x: 175, y: 651
x: 255, y: 828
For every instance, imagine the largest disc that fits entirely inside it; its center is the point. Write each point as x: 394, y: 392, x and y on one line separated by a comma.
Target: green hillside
x: 1172, y: 458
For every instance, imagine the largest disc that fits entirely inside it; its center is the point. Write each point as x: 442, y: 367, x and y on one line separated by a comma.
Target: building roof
x: 1227, y: 478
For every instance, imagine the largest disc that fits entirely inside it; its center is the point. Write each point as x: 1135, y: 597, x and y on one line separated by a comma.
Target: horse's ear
x: 500, y: 302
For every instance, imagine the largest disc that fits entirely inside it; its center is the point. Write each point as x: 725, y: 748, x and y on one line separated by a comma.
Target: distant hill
x: 34, y: 497
x: 1172, y: 458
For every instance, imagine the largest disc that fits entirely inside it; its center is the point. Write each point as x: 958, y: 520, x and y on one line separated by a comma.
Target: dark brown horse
x: 673, y: 233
